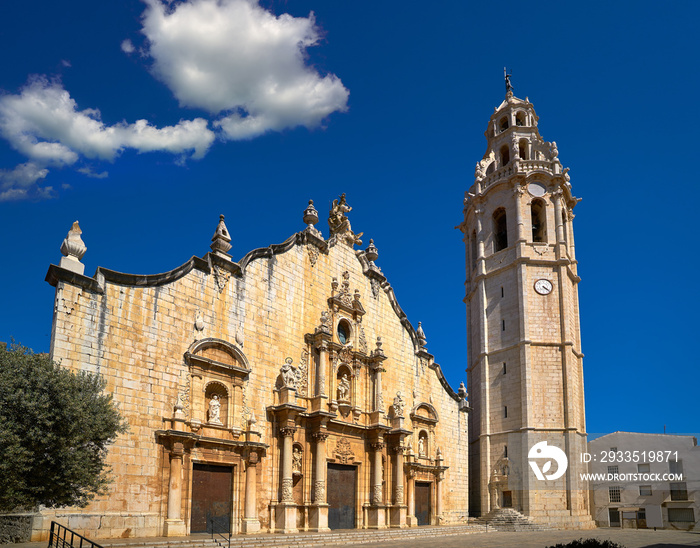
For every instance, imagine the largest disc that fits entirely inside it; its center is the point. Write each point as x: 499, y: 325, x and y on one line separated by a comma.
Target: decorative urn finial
x: 310, y: 215
x: 220, y: 242
x: 73, y: 249
x: 422, y: 341
x: 371, y: 252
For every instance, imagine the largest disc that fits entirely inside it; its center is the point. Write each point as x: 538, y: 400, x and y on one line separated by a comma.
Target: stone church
x: 288, y: 391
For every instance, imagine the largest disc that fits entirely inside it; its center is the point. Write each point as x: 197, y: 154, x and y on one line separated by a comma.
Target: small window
x: 539, y: 223
x: 503, y: 325
x: 679, y: 491
x: 505, y: 412
x: 504, y: 123
x: 500, y: 229
x: 504, y: 368
x: 675, y: 467
x: 344, y: 332
x: 682, y: 515
x: 614, y: 494
x: 505, y: 155
x: 613, y: 449
x: 613, y: 469
x: 505, y: 451
x: 643, y: 468
x: 522, y: 149
x: 645, y: 490
x: 502, y: 293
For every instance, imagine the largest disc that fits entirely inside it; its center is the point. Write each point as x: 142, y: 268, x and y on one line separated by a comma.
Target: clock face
x: 543, y: 287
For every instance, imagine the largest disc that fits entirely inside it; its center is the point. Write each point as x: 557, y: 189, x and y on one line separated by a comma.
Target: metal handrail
x: 58, y: 534
x: 223, y: 529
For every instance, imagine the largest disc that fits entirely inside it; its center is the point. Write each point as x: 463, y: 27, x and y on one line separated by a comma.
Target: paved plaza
x: 645, y: 538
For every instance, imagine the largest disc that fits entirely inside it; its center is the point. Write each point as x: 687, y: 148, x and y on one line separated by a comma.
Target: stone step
x: 298, y: 540
x: 508, y: 519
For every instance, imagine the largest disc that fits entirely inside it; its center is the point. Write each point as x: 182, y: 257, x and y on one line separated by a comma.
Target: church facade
x: 288, y: 391
x: 284, y: 392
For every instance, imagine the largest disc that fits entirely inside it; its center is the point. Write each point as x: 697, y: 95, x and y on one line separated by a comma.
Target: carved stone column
x: 411, y: 520
x: 559, y: 223
x: 286, y: 510
x: 251, y: 523
x: 318, y: 513
x: 481, y: 262
x: 398, y: 511
x: 378, y: 388
x: 376, y: 513
x: 286, y: 464
x: 438, y: 498
x: 518, y: 192
x: 322, y: 368
x: 174, y: 524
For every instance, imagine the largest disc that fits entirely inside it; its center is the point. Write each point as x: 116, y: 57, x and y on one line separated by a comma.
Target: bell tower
x: 524, y: 349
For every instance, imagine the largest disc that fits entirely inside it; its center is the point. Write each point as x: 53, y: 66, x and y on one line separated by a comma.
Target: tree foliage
x: 55, y: 427
x: 589, y: 543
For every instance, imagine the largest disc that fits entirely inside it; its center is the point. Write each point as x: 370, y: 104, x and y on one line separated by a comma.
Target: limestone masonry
x: 288, y: 391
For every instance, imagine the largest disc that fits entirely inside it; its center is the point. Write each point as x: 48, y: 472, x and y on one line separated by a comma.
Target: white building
x: 635, y: 486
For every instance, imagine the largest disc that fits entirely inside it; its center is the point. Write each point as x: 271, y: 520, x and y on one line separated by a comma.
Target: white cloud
x: 43, y: 122
x: 127, y: 46
x: 89, y: 172
x: 234, y: 58
x: 20, y: 182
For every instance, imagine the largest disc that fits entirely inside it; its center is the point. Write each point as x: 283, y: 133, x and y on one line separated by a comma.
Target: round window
x: 343, y: 332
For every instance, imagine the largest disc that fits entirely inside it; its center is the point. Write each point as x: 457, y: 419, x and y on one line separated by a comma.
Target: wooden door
x: 422, y: 503
x: 341, y: 496
x: 507, y: 499
x: 212, y: 487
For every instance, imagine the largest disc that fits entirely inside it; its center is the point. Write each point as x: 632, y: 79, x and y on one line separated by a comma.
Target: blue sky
x: 388, y: 102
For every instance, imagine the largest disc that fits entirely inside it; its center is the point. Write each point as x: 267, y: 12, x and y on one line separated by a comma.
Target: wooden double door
x: 212, y: 491
x: 341, y: 488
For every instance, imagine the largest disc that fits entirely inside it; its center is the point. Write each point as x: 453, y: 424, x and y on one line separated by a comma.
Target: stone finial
x: 378, y: 351
x: 310, y: 215
x: 220, y: 242
x: 462, y: 391
x: 324, y: 327
x: 73, y: 249
x: 371, y: 252
x: 422, y: 341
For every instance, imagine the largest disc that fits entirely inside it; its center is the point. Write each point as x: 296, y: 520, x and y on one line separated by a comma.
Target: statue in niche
x: 296, y: 460
x: 398, y: 405
x: 289, y: 374
x: 339, y: 223
x: 344, y: 388
x: 421, y: 446
x: 215, y: 410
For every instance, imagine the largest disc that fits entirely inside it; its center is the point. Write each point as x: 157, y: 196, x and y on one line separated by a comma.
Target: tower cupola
x: 514, y: 145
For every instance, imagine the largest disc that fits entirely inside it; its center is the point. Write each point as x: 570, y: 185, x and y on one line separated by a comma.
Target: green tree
x: 55, y: 427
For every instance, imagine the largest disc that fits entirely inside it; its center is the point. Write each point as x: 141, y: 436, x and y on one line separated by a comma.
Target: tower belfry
x: 524, y: 351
